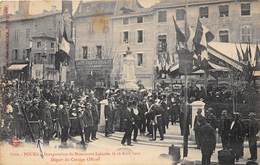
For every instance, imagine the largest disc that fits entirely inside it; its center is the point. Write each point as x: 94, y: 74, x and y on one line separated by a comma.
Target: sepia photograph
x: 129, y: 82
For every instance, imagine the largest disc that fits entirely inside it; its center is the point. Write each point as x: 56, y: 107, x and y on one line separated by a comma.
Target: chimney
x: 67, y: 5
x: 24, y: 6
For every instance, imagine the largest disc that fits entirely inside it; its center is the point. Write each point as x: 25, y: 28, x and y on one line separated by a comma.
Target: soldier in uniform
x: 253, y: 130
x: 64, y: 122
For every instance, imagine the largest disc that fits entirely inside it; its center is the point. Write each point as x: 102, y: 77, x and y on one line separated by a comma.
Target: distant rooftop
x: 95, y: 8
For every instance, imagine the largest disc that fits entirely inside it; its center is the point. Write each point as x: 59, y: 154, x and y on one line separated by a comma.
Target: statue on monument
x: 128, y: 80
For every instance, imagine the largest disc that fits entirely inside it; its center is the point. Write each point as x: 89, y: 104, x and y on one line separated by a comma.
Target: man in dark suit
x: 64, y: 122
x: 47, y: 123
x: 207, y: 141
x: 237, y: 134
x: 142, y: 108
x: 253, y: 130
x: 224, y: 128
x: 128, y: 122
x: 95, y: 113
x: 88, y: 121
x: 197, y: 125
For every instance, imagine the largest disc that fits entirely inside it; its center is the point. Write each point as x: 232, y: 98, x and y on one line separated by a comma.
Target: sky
x: 37, y: 6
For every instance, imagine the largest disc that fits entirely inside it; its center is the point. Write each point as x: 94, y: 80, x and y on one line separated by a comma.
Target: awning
x: 218, y: 67
x: 17, y: 67
x: 257, y: 73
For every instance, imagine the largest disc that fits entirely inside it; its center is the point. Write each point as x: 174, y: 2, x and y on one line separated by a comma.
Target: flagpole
x: 185, y: 135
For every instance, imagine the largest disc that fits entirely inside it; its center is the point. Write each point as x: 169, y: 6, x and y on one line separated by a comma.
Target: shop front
x: 94, y: 73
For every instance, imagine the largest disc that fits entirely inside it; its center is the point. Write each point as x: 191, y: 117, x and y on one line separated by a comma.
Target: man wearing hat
x: 88, y: 121
x: 253, y: 129
x: 197, y: 125
x: 64, y: 122
x: 237, y: 133
x: 225, y: 123
x: 47, y: 123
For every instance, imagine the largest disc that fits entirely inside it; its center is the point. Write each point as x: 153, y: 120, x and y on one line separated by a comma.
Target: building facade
x: 93, y: 39
x: 29, y: 42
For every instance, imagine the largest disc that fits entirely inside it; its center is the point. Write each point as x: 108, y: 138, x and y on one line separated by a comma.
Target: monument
x: 128, y: 77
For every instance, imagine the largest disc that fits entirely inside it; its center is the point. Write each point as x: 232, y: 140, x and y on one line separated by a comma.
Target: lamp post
x: 44, y: 56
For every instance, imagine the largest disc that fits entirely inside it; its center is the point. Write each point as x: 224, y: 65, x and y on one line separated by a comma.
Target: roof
x: 18, y: 17
x: 181, y: 3
x: 16, y: 67
x: 95, y: 8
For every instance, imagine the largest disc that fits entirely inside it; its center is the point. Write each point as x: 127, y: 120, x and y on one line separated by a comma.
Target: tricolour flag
x: 238, y: 55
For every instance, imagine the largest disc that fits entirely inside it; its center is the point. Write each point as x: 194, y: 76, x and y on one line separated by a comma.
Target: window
x: 140, y: 36
x: 204, y: 12
x: 125, y: 39
x: 52, y: 45
x: 162, y: 43
x: 246, y: 33
x: 140, y: 19
x: 16, y: 35
x: 223, y: 36
x: 180, y: 14
x: 27, y: 34
x: 125, y: 21
x: 38, y: 44
x: 99, y: 52
x: 85, y: 52
x: 140, y: 59
x: 15, y: 54
x: 162, y: 16
x: 245, y: 9
x: 28, y: 52
x: 223, y: 11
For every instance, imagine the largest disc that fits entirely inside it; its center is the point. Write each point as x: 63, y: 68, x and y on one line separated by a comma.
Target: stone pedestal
x: 102, y: 122
x: 195, y: 106
x: 128, y: 80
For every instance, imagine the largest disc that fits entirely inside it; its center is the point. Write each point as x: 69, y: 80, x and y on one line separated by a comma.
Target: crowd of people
x: 33, y: 109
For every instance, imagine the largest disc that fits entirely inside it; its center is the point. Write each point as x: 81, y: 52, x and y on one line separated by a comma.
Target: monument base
x: 130, y: 85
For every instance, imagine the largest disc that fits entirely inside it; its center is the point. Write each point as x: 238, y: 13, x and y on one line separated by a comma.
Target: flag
x: 257, y: 57
x: 185, y: 56
x: 64, y: 45
x: 202, y: 36
x: 185, y: 61
x: 180, y: 36
x: 239, y: 55
x: 243, y: 53
x: 249, y: 53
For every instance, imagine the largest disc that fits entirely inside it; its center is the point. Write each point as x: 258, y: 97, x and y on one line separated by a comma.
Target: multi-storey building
x: 29, y: 48
x: 149, y: 32
x: 94, y: 43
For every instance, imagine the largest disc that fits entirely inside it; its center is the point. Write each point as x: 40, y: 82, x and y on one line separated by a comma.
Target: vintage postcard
x: 129, y: 82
